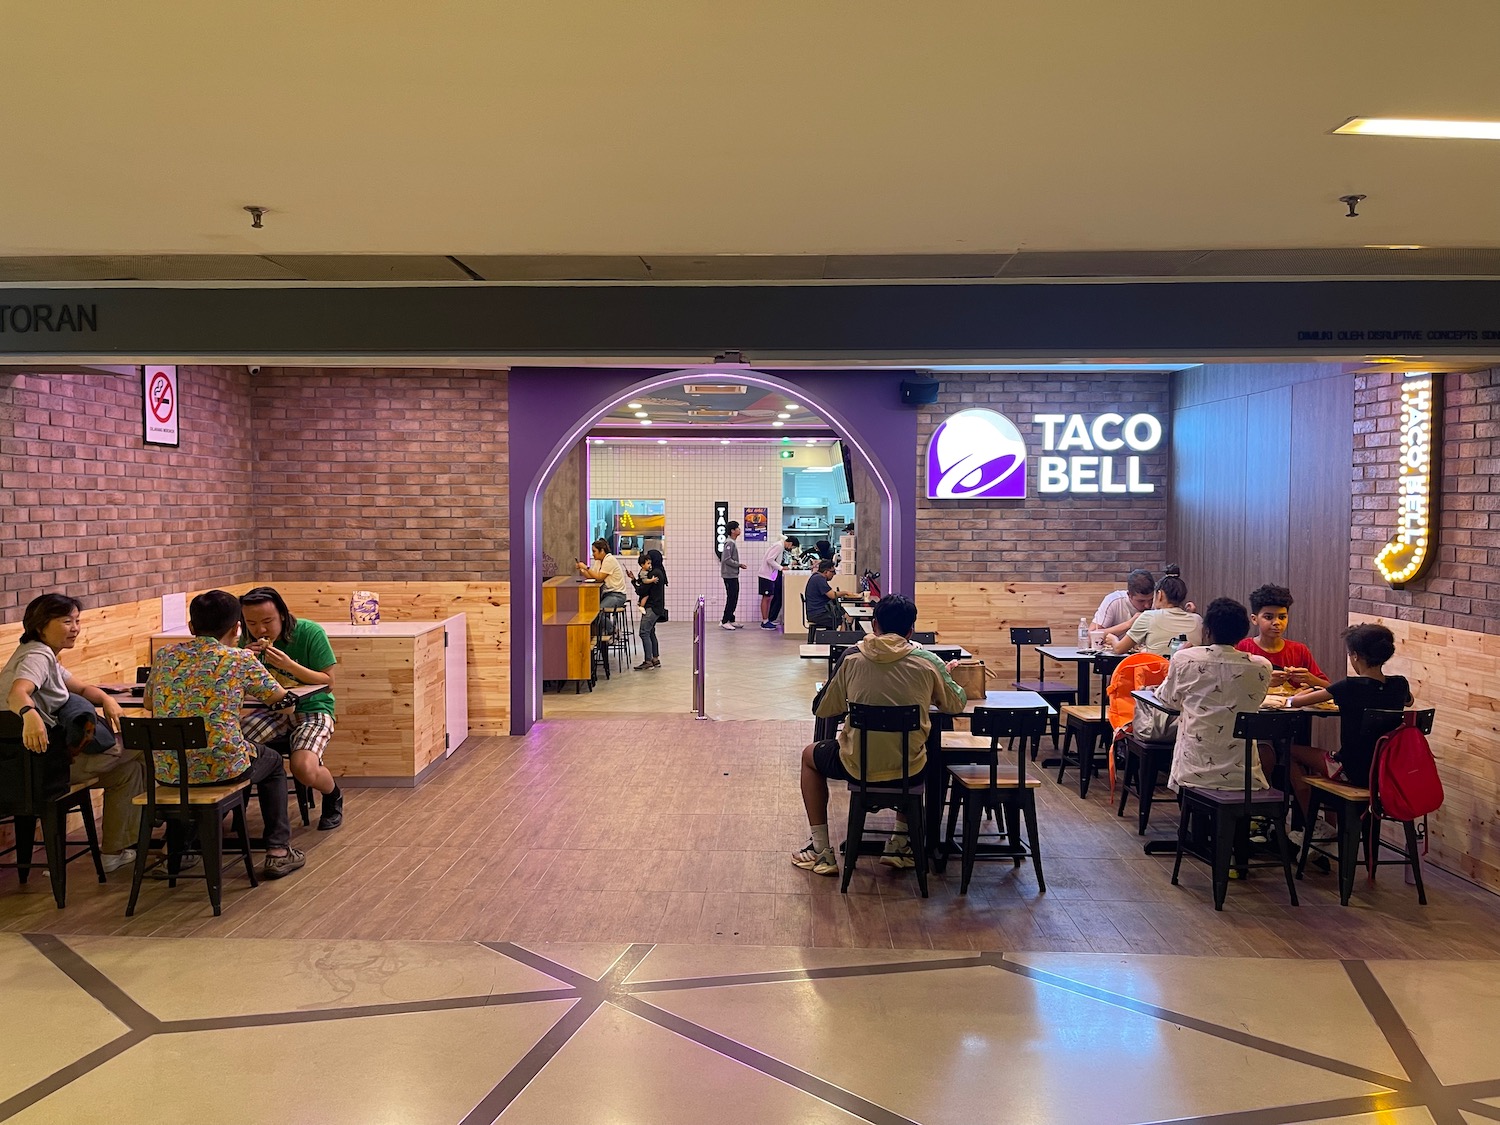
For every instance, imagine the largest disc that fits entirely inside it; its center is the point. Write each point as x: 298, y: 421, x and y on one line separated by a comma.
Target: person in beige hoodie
x: 884, y: 669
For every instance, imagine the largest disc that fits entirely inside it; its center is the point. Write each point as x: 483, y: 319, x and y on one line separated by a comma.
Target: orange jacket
x: 1139, y: 670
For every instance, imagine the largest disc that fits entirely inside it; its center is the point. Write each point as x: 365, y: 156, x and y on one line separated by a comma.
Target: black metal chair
x: 837, y: 641
x: 975, y: 787
x: 1146, y: 763
x: 1087, y: 724
x: 1054, y: 692
x: 36, y: 788
x: 1358, y: 822
x: 1218, y: 820
x: 904, y: 795
x: 184, y: 807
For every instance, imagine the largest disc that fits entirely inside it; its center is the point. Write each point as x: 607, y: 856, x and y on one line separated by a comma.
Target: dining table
x: 1081, y: 658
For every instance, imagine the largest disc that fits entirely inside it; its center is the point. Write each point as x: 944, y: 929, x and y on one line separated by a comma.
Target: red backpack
x: 1404, y: 782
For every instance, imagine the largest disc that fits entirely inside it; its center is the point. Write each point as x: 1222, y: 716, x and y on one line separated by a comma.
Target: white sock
x: 820, y: 837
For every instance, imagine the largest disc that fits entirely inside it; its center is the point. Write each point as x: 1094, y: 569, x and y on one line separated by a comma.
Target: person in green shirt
x: 295, y: 652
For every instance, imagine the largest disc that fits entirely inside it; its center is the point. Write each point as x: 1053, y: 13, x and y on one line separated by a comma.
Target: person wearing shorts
x: 296, y: 652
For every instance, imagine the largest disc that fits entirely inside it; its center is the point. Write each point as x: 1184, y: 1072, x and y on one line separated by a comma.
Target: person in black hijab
x: 651, y: 585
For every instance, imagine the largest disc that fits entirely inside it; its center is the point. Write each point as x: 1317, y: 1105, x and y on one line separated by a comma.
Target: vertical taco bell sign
x: 976, y: 455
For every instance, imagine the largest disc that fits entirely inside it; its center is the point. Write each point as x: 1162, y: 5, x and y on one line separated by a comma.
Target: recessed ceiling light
x: 793, y: 406
x: 1427, y: 127
x: 640, y: 414
x: 785, y: 440
x: 661, y: 441
x: 1393, y: 246
x: 632, y: 406
x: 812, y: 441
x: 645, y: 421
x: 724, y: 441
x: 783, y: 416
x: 778, y: 423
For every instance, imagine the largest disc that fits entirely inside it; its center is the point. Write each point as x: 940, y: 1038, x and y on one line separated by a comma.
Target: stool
x: 1008, y: 791
x: 617, y: 621
x: 1055, y: 692
x: 1359, y: 823
x: 903, y: 795
x: 1088, y: 724
x: 1144, y: 764
x: 1226, y: 813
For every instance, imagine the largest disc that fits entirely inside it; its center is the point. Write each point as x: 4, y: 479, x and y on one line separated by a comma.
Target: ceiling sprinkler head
x: 257, y: 213
x: 1352, y: 201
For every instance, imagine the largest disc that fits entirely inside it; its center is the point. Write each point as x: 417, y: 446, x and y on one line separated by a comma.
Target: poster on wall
x: 757, y: 520
x: 721, y: 526
x: 159, y: 405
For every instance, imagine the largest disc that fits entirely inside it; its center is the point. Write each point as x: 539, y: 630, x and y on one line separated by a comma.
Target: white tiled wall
x: 690, y: 478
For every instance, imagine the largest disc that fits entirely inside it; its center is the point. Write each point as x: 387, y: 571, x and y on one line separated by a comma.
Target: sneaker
x: 1294, y: 837
x: 735, y: 625
x: 768, y: 625
x: 279, y: 865
x: 898, y: 853
x: 656, y: 664
x: 333, y: 810
x: 726, y: 625
x: 644, y: 665
x: 818, y: 862
x: 115, y: 862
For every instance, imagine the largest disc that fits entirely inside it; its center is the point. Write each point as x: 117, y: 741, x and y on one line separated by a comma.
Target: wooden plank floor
x: 673, y: 830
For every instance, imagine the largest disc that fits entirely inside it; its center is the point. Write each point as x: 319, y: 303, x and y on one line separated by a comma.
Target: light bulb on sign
x: 1408, y: 552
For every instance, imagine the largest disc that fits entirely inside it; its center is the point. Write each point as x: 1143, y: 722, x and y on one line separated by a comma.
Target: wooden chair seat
x: 1339, y: 788
x: 80, y: 786
x: 977, y: 776
x: 1084, y: 712
x: 200, y: 795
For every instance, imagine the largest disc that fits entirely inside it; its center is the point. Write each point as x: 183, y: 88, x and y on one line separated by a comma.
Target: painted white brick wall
x: 690, y: 478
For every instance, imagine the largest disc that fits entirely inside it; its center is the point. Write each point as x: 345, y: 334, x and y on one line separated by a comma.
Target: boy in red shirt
x: 1292, y: 660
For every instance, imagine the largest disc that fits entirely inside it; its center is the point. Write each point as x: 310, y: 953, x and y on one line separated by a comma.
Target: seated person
x: 34, y: 685
x: 606, y: 569
x: 1293, y: 660
x: 1370, y: 647
x: 1156, y: 629
x: 210, y: 677
x: 823, y: 609
x: 884, y: 669
x: 1209, y: 686
x: 296, y: 652
x: 1118, y: 611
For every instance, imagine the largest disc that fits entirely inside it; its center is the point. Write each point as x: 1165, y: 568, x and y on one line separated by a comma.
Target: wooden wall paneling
x: 1215, y: 382
x: 1207, y: 498
x: 430, y: 717
x: 1455, y: 671
x: 113, y: 642
x: 979, y: 615
x: 486, y: 605
x: 1322, y: 446
x: 375, y: 733
x: 1267, y: 485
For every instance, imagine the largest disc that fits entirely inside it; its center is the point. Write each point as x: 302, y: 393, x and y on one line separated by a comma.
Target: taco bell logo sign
x: 976, y: 455
x: 980, y: 455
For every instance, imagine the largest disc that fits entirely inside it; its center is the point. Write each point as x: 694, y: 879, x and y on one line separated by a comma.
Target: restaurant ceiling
x: 676, y: 140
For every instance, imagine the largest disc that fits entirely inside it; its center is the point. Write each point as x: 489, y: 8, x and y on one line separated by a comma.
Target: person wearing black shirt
x: 823, y: 609
x: 651, y: 585
x: 1370, y: 646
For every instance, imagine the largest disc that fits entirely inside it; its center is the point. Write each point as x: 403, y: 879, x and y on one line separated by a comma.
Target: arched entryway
x: 551, y: 410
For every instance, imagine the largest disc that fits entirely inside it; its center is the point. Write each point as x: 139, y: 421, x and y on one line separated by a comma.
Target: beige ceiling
x: 685, y: 127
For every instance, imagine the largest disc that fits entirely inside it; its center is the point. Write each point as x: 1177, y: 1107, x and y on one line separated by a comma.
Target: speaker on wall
x: 920, y: 391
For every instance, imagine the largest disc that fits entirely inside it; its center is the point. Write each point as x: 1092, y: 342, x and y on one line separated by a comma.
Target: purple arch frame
x: 552, y: 409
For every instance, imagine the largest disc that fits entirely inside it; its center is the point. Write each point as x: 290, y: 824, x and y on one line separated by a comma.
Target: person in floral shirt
x: 210, y: 677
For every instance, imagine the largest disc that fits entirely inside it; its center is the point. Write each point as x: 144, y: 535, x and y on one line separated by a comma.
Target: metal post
x: 700, y: 652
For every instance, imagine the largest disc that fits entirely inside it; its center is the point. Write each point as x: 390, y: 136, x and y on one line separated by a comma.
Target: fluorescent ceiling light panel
x: 1432, y: 128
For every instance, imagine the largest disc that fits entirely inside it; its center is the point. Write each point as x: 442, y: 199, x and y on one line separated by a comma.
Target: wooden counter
x: 401, y: 691
x: 569, y: 609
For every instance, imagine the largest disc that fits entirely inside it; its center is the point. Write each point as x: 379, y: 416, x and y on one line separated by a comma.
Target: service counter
x: 402, y: 697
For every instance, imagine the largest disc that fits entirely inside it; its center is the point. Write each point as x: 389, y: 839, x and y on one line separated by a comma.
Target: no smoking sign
x: 159, y: 399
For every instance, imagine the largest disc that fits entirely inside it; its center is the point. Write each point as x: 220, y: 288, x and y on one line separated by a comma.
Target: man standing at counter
x: 770, y: 581
x: 729, y: 570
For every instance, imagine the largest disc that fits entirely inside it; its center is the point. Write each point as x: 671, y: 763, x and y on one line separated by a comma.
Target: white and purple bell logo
x: 976, y: 455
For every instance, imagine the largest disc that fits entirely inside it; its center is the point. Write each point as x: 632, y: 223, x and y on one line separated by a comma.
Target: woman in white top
x: 1209, y: 686
x: 1156, y: 629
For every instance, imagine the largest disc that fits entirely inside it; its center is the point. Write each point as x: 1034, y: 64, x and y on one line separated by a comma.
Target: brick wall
x: 1461, y: 589
x: 1051, y: 538
x: 92, y: 511
x: 395, y: 474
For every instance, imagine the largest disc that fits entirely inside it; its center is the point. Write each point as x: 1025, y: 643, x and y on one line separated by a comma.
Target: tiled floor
x: 334, y: 1032
x: 651, y: 956
x: 752, y: 673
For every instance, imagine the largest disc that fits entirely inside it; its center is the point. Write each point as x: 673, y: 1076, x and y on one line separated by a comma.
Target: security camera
x: 254, y: 369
